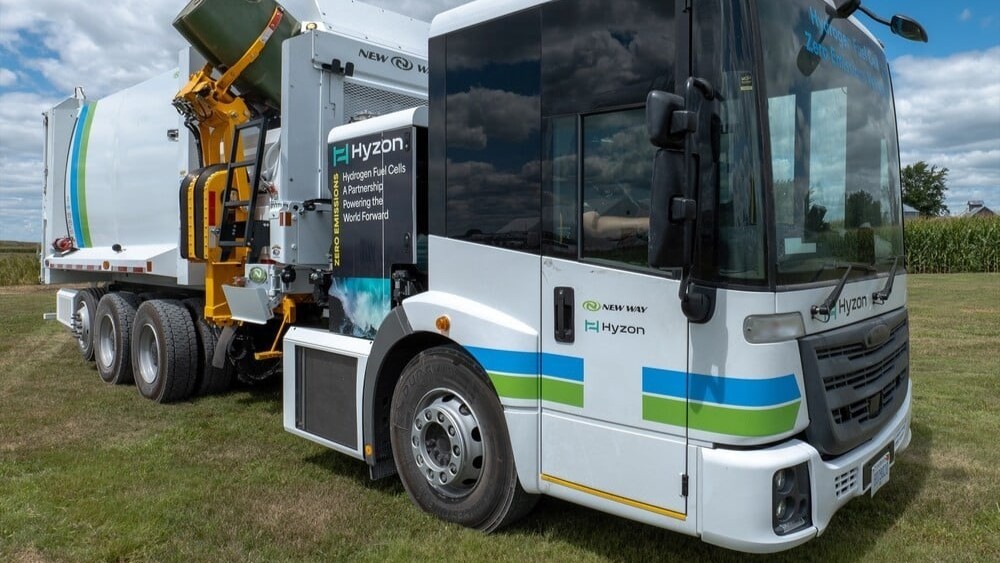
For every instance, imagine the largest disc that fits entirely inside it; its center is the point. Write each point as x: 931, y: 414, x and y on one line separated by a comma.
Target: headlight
x: 767, y: 329
x: 791, y: 500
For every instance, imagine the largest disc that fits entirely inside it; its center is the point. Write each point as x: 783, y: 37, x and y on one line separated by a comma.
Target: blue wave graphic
x: 365, y: 303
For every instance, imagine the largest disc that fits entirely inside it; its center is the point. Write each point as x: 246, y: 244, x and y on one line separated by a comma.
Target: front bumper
x: 735, y: 487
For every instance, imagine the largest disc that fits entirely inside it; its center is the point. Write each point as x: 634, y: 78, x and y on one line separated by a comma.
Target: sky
x: 947, y: 91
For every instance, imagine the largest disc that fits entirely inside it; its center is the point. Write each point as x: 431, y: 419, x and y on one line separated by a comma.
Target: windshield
x: 834, y: 158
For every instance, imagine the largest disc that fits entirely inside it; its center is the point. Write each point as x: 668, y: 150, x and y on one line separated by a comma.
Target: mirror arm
x: 696, y: 306
x: 873, y: 16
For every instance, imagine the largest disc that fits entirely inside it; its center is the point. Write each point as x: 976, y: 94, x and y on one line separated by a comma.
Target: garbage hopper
x: 223, y: 30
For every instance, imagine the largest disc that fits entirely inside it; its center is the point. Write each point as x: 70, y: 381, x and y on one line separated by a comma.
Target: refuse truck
x: 643, y: 256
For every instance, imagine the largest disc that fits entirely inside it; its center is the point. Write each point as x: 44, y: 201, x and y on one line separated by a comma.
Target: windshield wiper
x: 824, y: 308
x: 849, y: 265
x: 880, y: 297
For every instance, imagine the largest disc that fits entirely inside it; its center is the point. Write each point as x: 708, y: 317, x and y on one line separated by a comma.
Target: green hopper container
x: 223, y: 30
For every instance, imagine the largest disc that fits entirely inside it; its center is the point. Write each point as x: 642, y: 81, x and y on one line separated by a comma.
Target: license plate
x: 880, y: 472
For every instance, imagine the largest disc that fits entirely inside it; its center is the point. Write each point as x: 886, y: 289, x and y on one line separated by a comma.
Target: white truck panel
x: 132, y: 179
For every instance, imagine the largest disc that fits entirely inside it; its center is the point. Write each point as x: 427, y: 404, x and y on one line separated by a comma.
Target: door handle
x: 563, y: 299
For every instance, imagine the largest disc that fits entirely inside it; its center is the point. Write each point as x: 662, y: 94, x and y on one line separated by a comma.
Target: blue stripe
x: 503, y: 361
x: 720, y: 389
x: 526, y: 363
x: 562, y: 367
x: 74, y: 177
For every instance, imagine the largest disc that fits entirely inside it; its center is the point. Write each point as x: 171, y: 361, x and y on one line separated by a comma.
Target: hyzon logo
x: 592, y: 306
x: 363, y: 151
x: 613, y: 328
x: 341, y: 155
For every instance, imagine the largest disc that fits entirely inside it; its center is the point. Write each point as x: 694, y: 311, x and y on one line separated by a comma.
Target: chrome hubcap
x: 149, y: 354
x: 106, y: 347
x: 83, y: 316
x: 447, y: 443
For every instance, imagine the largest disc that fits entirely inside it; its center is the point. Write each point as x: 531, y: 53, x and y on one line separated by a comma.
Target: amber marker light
x: 443, y: 324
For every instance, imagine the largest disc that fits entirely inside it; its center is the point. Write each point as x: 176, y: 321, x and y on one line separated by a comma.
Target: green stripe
x: 560, y: 391
x: 721, y: 420
x: 513, y: 387
x: 81, y: 193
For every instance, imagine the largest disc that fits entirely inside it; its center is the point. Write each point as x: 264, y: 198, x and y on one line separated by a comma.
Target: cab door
x: 614, y: 340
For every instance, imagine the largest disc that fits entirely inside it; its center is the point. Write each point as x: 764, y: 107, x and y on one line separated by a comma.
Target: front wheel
x: 451, y: 445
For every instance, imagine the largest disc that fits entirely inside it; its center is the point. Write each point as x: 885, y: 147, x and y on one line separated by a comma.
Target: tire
x: 84, y: 312
x: 164, y: 351
x: 209, y: 379
x: 451, y: 445
x: 113, y: 337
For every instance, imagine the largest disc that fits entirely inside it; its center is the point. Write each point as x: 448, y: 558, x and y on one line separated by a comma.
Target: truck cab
x: 668, y: 237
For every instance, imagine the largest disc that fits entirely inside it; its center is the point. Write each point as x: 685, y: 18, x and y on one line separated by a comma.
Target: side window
x: 493, y: 114
x: 560, y: 184
x: 617, y: 168
x: 598, y: 55
x: 597, y: 58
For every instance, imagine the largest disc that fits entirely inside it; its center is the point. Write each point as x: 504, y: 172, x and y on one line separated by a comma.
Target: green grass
x: 90, y: 472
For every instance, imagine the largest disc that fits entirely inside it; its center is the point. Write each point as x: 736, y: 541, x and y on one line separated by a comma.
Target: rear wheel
x: 210, y: 379
x: 451, y: 445
x: 164, y: 351
x: 113, y: 336
x: 84, y: 313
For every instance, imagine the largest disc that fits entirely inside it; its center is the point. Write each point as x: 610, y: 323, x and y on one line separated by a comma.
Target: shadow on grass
x: 354, y: 470
x: 266, y: 394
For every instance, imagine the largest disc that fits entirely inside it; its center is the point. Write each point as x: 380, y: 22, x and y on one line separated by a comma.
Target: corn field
x: 18, y: 269
x: 953, y: 246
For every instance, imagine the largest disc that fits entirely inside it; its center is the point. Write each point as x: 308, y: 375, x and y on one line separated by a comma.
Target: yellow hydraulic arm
x: 210, y: 105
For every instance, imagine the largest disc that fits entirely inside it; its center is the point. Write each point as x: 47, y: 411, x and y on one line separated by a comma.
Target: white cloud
x: 966, y: 15
x: 7, y: 77
x: 103, y: 47
x: 949, y: 116
x: 507, y: 115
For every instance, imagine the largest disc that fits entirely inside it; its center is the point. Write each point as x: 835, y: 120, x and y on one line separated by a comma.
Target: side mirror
x: 660, y: 109
x: 908, y: 28
x: 669, y: 246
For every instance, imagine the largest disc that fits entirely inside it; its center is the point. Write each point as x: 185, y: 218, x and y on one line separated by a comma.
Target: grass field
x: 18, y: 263
x: 91, y: 472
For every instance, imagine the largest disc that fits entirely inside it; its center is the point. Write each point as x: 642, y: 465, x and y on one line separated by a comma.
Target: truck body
x: 643, y: 256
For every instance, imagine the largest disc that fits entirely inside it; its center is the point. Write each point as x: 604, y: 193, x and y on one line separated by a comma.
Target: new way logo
x: 595, y: 306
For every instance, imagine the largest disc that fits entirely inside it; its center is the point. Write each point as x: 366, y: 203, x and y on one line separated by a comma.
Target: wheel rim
x: 149, y: 354
x: 106, y: 343
x: 447, y: 443
x: 83, y: 313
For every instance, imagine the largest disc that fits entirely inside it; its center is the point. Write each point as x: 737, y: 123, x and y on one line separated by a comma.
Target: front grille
x: 845, y: 483
x: 865, y: 376
x: 859, y: 410
x: 854, y: 386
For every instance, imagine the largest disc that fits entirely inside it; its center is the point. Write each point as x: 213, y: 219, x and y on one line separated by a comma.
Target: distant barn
x: 977, y: 209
